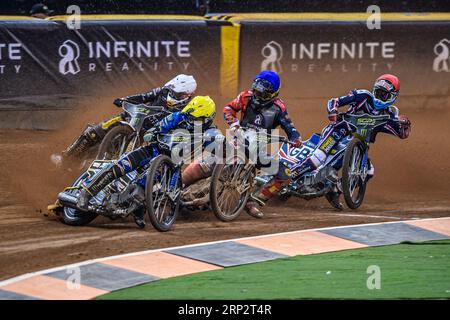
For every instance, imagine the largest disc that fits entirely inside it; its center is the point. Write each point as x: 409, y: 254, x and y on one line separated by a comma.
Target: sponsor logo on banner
x: 272, y: 53
x: 442, y: 60
x: 329, y: 56
x: 69, y: 52
x: 123, y: 56
x: 10, y: 57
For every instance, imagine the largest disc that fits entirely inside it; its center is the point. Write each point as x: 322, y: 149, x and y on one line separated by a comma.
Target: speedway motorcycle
x: 350, y: 156
x: 128, y: 134
x: 233, y: 182
x: 155, y: 187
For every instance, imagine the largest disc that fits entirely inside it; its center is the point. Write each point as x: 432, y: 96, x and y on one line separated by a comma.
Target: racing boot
x: 97, y: 184
x: 253, y: 206
x: 139, y: 217
x: 333, y: 197
x: 88, y: 138
x: 370, y: 172
x: 194, y: 172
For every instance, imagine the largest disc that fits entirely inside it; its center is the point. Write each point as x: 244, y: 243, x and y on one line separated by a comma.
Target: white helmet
x: 181, y: 88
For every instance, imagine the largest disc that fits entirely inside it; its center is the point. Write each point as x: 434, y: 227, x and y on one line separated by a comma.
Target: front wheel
x: 231, y: 185
x: 116, y: 142
x: 354, y: 174
x: 162, y: 193
x: 74, y: 217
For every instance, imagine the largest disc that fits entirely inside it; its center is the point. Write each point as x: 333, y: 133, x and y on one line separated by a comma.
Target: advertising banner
x: 46, y: 68
x: 314, y: 56
x: 44, y: 58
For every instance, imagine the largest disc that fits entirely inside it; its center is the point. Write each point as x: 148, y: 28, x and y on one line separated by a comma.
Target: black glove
x: 333, y: 115
x: 118, y: 102
x: 297, y: 143
x: 405, y: 126
x: 151, y: 134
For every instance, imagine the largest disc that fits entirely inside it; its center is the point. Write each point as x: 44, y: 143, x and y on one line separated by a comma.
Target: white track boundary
x: 79, y: 264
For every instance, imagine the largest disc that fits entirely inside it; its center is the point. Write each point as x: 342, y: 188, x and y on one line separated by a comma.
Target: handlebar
x: 129, y: 106
x: 271, y: 136
x: 363, y: 115
x: 150, y: 136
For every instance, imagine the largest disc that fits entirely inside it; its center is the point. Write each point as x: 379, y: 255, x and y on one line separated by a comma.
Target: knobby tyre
x: 353, y: 182
x: 162, y: 199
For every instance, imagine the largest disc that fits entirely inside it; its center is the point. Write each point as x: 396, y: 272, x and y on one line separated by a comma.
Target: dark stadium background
x: 22, y: 7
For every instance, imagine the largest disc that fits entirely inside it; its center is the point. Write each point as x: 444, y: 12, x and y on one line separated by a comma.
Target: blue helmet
x: 266, y: 86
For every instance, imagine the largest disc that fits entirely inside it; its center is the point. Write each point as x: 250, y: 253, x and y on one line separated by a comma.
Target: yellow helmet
x: 200, y: 108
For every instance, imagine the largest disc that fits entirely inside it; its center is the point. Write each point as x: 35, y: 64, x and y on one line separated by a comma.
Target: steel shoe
x: 252, y: 208
x: 139, y: 218
x: 333, y: 199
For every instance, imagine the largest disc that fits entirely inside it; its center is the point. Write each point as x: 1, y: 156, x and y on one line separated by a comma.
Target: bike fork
x: 364, y: 159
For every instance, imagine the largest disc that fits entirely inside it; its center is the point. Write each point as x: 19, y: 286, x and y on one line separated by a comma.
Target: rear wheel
x: 116, y: 142
x: 74, y: 217
x: 353, y: 174
x: 162, y: 193
x: 231, y: 185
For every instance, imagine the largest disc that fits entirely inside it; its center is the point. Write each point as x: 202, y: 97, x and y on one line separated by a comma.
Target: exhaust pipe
x: 262, y: 180
x: 67, y: 200
x: 197, y: 202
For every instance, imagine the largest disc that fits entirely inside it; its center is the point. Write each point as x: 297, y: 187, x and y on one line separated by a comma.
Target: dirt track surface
x: 411, y: 181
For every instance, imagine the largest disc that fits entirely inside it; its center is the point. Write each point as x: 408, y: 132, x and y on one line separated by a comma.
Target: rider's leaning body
x: 173, y: 96
x: 260, y: 109
x: 200, y: 110
x: 378, y: 102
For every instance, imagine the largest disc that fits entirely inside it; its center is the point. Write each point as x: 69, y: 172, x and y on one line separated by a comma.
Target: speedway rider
x: 199, y: 111
x: 378, y: 102
x: 174, y: 95
x: 260, y: 109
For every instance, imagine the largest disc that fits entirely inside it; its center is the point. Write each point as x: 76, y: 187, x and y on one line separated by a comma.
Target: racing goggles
x: 384, y: 95
x: 263, y: 90
x: 384, y: 91
x: 179, y: 96
x: 191, y: 120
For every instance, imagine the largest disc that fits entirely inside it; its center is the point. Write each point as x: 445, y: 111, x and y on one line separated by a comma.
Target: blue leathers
x: 359, y: 102
x: 143, y: 155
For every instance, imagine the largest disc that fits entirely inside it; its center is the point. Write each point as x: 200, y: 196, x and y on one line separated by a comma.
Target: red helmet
x: 392, y: 79
x: 385, y: 90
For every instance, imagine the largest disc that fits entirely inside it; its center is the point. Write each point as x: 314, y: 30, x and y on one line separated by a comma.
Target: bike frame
x: 363, y: 125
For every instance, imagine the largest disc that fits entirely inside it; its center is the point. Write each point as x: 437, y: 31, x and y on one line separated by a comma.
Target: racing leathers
x: 94, y: 134
x: 140, y: 157
x: 254, y: 117
x: 358, y: 102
